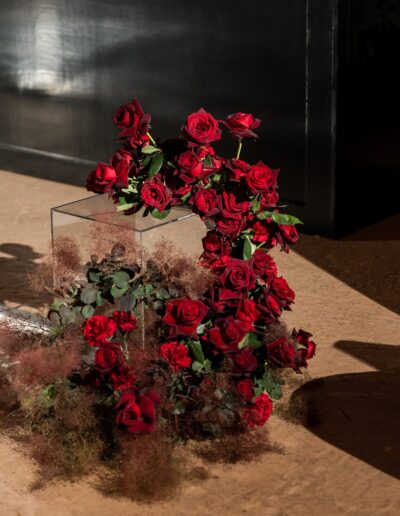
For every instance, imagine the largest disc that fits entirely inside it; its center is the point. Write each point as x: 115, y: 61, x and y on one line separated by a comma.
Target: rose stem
x: 239, y: 150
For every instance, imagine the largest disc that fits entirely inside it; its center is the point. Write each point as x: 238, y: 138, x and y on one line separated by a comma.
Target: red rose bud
x: 269, y: 199
x: 245, y: 389
x: 176, y: 355
x: 125, y: 321
x: 242, y: 125
x: 259, y: 412
x: 201, y: 128
x: 184, y: 316
x: 122, y: 162
x: 98, y: 329
x: 155, y: 194
x: 133, y: 122
x: 281, y: 353
x: 289, y: 233
x: 102, y: 179
x: 226, y: 334
x: 307, y: 347
x: 136, y: 411
x: 108, y: 357
x: 261, y: 178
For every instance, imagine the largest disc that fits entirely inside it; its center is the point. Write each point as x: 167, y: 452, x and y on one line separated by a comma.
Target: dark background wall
x: 66, y: 65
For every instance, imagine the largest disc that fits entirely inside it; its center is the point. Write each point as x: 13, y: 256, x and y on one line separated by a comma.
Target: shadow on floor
x: 357, y: 412
x: 17, y: 264
x: 368, y: 261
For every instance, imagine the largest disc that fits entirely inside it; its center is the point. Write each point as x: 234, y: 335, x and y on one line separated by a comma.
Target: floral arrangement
x: 215, y: 349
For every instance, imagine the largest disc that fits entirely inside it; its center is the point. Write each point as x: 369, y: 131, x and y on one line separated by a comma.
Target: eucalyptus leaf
x: 87, y: 311
x: 120, y: 279
x: 117, y: 292
x: 128, y: 302
x: 162, y: 293
x: 88, y: 295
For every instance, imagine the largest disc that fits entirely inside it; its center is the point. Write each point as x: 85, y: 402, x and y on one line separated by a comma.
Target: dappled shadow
x: 358, y: 412
x: 17, y: 264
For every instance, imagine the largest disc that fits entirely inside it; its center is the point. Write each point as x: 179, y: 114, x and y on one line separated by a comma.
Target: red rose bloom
x: 245, y: 361
x: 122, y: 162
x: 133, y: 122
x: 155, y: 194
x: 191, y: 167
x: 264, y: 231
x: 175, y: 354
x: 102, y: 179
x: 229, y: 227
x: 201, y: 128
x: 232, y: 206
x: 125, y: 321
x: 247, y: 312
x: 184, y: 316
x: 282, y: 291
x: 136, y: 411
x: 107, y: 357
x: 227, y: 333
x: 98, y: 329
x: 236, y: 169
x: 242, y: 125
x: 305, y: 349
x: 281, y: 353
x: 245, y: 389
x: 261, y: 178
x: 259, y: 412
x: 121, y: 378
x: 215, y: 246
x: 205, y: 202
x: 289, y: 233
x: 263, y: 264
x: 269, y: 199
x: 238, y: 275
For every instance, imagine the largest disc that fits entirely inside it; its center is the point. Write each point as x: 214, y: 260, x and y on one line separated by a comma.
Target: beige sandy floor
x: 345, y: 464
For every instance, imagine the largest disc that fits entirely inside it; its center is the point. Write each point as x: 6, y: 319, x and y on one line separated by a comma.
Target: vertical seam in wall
x: 334, y: 18
x: 306, y: 100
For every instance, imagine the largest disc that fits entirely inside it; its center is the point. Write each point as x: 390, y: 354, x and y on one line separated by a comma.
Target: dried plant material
x: 66, y: 254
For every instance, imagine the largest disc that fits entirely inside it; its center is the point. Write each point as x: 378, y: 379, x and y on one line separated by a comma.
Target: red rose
x: 238, y: 275
x: 98, y: 329
x: 107, y: 357
x: 264, y: 231
x: 245, y: 361
x: 245, y: 389
x: 247, y: 312
x: 281, y: 353
x: 184, y: 316
x: 306, y: 347
x: 263, y: 264
x: 226, y: 334
x: 229, y: 227
x: 201, y: 128
x: 133, y: 122
x: 261, y: 178
x: 122, y: 162
x: 269, y: 307
x: 102, y: 179
x: 269, y: 199
x: 282, y: 291
x: 258, y: 413
x: 242, y: 125
x: 155, y: 194
x: 121, y: 378
x: 175, y: 354
x: 205, y: 202
x: 136, y: 411
x: 191, y: 167
x: 125, y: 321
x: 236, y: 169
x: 289, y: 233
x: 215, y: 246
x: 232, y: 206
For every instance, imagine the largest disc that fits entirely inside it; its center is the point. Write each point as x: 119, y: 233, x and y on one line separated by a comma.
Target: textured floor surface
x: 346, y: 461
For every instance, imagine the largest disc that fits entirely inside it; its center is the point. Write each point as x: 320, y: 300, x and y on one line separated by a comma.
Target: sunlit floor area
x: 334, y: 438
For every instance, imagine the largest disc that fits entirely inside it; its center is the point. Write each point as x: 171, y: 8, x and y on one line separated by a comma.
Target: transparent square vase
x: 92, y: 228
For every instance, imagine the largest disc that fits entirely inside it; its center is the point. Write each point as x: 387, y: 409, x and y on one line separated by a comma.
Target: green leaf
x: 265, y: 215
x: 56, y: 304
x: 201, y: 328
x: 150, y: 149
x: 99, y: 299
x: 88, y: 295
x: 269, y: 384
x: 124, y: 207
x: 87, y: 311
x: 186, y: 197
x: 156, y: 164
x: 284, y: 218
x: 255, y: 205
x: 197, y: 367
x: 148, y: 289
x: 94, y: 275
x: 121, y: 279
x: 67, y: 315
x: 250, y: 339
x: 248, y: 247
x: 160, y: 214
x: 197, y: 350
x: 128, y: 302
x: 117, y: 292
x: 162, y: 293
x: 208, y: 162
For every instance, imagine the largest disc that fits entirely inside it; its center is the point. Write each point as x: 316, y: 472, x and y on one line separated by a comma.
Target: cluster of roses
x: 136, y: 410
x: 238, y: 202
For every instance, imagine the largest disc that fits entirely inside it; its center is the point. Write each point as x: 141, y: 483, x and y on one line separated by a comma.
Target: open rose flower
x: 247, y: 312
x: 229, y: 227
x: 232, y: 205
x: 281, y: 353
x: 305, y: 349
x: 201, y: 128
x: 245, y: 389
x: 125, y: 321
x: 215, y: 246
x: 238, y: 275
x: 282, y: 291
x: 245, y: 361
x: 108, y: 357
x: 269, y: 199
x: 155, y: 194
x: 136, y: 412
x: 226, y: 334
x: 263, y: 264
x: 191, y: 167
x: 205, y: 202
x: 121, y: 378
x: 184, y: 315
x: 236, y: 169
x: 268, y: 307
x: 264, y: 231
x: 261, y: 178
x: 98, y: 329
x: 102, y: 179
x: 175, y: 354
x: 133, y: 122
x: 258, y: 413
x: 242, y: 125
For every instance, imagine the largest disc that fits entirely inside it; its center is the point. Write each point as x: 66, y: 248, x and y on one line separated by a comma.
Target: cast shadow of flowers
x: 357, y: 412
